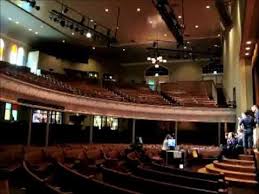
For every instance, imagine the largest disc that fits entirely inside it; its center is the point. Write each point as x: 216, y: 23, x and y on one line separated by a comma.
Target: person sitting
x: 165, y: 145
x: 229, y: 150
x: 171, y: 143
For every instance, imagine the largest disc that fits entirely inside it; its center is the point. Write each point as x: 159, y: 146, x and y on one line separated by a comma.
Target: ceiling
x: 136, y: 29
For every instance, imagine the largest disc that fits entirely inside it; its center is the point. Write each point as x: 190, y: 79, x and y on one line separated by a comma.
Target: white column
x: 133, y: 131
x: 29, y: 129
x: 91, y: 129
x: 47, y: 130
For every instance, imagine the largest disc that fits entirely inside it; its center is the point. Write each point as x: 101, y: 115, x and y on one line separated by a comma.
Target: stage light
x: 148, y: 58
x: 73, y: 33
x: 55, y: 19
x: 62, y: 23
x: 215, y: 72
x: 88, y: 35
x: 30, y: 29
x: 156, y: 74
x: 247, y: 54
x: 124, y: 50
x: 76, y: 29
x: 10, y: 19
x: 248, y: 48
x: 164, y: 61
x: 196, y: 26
x: 65, y: 10
x: 179, y: 17
x: 82, y: 32
x: 36, y: 33
x: 138, y: 9
x: 93, y: 48
x: 71, y: 26
x: 82, y: 20
x: 207, y: 6
x: 156, y: 66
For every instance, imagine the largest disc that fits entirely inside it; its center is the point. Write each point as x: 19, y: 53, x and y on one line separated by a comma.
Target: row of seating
x: 190, y: 93
x: 179, y: 93
x: 138, y: 94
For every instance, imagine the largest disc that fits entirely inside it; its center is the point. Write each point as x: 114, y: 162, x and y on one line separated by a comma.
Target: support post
x: 133, y: 131
x: 91, y: 129
x: 29, y: 129
x: 225, y: 127
x: 219, y: 133
x: 176, y: 131
x: 47, y: 130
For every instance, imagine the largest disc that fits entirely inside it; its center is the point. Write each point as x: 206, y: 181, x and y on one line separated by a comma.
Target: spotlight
x: 71, y: 26
x: 62, y: 23
x: 156, y: 74
x: 88, y: 35
x: 82, y: 20
x: 82, y: 32
x: 76, y: 29
x: 65, y: 10
x: 156, y: 66
x: 55, y: 19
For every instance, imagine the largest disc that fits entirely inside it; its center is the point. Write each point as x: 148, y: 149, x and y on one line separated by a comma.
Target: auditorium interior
x: 129, y: 96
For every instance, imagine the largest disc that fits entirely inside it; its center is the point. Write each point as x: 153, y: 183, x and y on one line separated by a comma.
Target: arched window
x: 1, y: 49
x: 20, y: 57
x: 13, y: 54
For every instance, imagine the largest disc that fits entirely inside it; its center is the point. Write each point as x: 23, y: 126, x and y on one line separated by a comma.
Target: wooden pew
x: 177, y: 179
x: 38, y: 185
x: 79, y: 182
x: 144, y: 185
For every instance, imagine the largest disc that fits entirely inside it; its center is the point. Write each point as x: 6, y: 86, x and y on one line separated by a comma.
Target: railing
x: 12, y: 89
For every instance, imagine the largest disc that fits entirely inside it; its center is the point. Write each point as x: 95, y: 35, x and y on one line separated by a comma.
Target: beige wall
x: 178, y: 71
x: 237, y: 70
x: 47, y: 62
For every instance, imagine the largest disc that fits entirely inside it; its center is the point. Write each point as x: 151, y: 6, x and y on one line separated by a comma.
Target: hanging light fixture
x: 156, y: 58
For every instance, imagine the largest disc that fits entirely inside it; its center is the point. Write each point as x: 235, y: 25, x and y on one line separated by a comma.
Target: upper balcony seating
x: 24, y: 74
x: 139, y: 94
x: 190, y: 93
x: 96, y: 91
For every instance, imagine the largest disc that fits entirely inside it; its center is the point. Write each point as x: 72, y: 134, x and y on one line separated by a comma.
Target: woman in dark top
x: 247, y: 122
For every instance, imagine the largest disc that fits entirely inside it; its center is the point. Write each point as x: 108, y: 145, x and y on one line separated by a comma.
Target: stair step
x: 232, y: 180
x: 238, y: 162
x: 246, y: 157
x: 231, y: 174
x: 234, y: 167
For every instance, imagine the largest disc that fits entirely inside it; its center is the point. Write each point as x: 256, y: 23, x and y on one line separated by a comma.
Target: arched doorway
x: 155, y: 75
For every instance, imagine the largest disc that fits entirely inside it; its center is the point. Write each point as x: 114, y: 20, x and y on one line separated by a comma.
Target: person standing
x: 255, y: 110
x: 247, y: 122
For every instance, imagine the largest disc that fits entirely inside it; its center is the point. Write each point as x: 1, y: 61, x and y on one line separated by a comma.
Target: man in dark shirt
x: 247, y: 123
